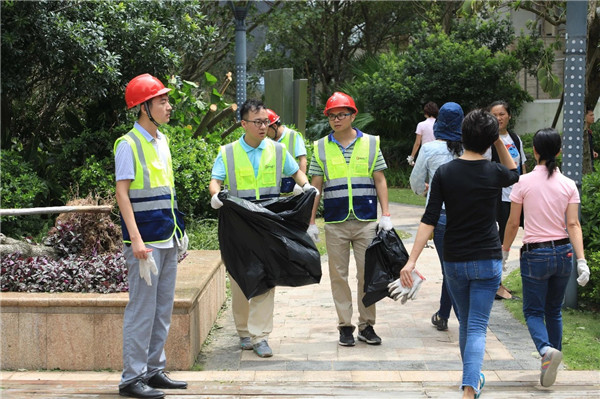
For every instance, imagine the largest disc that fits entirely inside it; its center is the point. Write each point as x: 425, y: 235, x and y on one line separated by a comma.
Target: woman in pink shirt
x: 546, y: 197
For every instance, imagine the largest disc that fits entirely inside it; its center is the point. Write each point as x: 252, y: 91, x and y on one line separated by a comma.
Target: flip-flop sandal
x: 481, y: 384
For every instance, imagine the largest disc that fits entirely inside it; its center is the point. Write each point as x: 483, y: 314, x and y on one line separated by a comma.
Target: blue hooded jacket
x: 448, y: 125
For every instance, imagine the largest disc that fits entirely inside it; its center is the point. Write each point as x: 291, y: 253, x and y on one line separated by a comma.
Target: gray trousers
x: 147, y: 316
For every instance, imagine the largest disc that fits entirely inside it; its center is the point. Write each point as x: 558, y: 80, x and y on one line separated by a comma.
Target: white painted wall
x: 540, y: 114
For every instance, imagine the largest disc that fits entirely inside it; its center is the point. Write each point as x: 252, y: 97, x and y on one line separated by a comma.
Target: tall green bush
x: 590, y: 211
x: 21, y: 188
x: 590, y: 226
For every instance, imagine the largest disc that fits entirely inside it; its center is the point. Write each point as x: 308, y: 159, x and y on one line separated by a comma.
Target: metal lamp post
x: 239, y: 13
x: 574, y: 110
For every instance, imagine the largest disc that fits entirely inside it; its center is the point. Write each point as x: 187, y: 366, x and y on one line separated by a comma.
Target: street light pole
x: 574, y: 110
x: 239, y: 13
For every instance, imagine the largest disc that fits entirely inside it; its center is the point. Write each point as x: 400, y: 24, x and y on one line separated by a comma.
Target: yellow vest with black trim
x: 348, y: 187
x: 152, y: 193
x: 289, y: 140
x: 240, y: 179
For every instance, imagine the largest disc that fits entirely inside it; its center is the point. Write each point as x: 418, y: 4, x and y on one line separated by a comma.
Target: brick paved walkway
x: 414, y: 361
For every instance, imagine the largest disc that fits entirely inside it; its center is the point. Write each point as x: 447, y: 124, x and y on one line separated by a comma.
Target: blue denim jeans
x: 545, y: 273
x: 446, y: 303
x: 473, y: 285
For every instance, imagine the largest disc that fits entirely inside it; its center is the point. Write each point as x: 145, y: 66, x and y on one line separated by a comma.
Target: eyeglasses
x: 339, y: 117
x: 259, y: 123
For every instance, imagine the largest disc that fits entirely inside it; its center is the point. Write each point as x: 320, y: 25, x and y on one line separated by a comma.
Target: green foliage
x: 590, y: 211
x: 590, y: 294
x: 64, y: 69
x: 441, y: 68
x: 21, y: 188
x: 398, y: 177
x: 527, y: 141
x: 203, y: 234
x: 590, y: 226
x: 192, y: 165
x: 303, y: 35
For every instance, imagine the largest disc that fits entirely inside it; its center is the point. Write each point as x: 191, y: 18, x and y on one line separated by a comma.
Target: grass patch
x: 405, y: 196
x: 581, y: 329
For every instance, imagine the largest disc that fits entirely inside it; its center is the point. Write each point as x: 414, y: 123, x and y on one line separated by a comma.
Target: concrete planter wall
x: 71, y: 331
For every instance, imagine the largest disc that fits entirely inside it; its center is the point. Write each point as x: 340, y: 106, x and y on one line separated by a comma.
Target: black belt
x: 545, y: 244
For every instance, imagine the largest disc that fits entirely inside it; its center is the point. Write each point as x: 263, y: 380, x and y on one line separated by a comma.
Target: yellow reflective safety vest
x: 288, y: 183
x: 240, y: 178
x: 152, y: 193
x: 348, y: 187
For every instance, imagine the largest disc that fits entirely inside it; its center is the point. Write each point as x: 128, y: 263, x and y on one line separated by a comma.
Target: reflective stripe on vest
x: 240, y: 177
x: 151, y: 193
x: 348, y: 187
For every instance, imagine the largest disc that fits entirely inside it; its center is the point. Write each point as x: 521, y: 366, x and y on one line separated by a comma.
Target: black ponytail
x: 455, y: 147
x: 547, y: 144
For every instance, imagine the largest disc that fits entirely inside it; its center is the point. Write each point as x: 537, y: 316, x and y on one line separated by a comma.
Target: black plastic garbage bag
x: 384, y: 259
x: 264, y: 243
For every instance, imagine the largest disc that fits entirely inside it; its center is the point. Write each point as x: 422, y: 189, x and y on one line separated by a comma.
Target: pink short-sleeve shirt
x: 544, y: 202
x: 425, y: 130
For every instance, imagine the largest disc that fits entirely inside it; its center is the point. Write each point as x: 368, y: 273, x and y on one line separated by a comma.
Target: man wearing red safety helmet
x: 294, y: 142
x: 347, y: 167
x: 154, y: 236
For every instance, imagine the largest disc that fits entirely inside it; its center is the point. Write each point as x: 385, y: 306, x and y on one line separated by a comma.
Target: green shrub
x: 192, y: 165
x: 590, y: 294
x: 203, y: 234
x: 398, y: 177
x: 590, y: 211
x: 95, y: 177
x: 21, y: 188
x: 590, y: 226
x: 527, y: 141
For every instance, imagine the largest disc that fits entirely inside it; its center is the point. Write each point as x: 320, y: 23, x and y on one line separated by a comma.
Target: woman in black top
x: 469, y: 187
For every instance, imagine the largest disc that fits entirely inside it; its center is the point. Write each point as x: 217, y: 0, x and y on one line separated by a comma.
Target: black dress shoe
x: 138, y: 389
x: 160, y: 380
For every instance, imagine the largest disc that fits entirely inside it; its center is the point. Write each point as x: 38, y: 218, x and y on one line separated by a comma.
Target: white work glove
x: 583, y: 271
x: 297, y: 190
x: 148, y: 266
x: 307, y: 187
x: 182, y: 244
x: 411, y: 160
x: 385, y: 223
x: 313, y: 232
x: 215, y: 202
x: 504, y: 259
x: 397, y: 291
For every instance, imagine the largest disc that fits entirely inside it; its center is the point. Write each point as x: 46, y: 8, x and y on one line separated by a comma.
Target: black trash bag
x: 384, y: 259
x: 264, y: 242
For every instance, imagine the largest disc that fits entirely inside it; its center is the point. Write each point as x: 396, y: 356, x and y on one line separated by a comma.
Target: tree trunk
x: 10, y: 246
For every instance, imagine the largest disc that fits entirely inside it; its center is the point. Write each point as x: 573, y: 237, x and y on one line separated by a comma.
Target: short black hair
x: 251, y: 104
x: 479, y: 131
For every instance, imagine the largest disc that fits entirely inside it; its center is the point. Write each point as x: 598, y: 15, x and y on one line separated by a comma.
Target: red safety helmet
x: 142, y: 88
x: 339, y: 99
x: 273, y: 117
